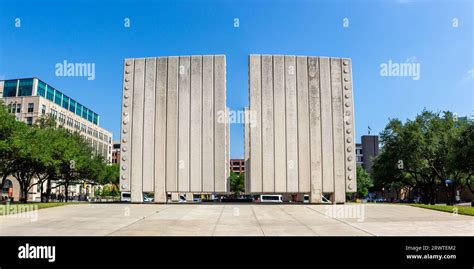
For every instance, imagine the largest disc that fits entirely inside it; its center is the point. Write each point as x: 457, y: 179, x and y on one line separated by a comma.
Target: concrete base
x: 189, y: 197
x: 174, y: 197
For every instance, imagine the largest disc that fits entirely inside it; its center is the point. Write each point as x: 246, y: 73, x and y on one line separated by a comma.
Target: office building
x: 30, y: 98
x: 116, y: 152
x: 237, y: 166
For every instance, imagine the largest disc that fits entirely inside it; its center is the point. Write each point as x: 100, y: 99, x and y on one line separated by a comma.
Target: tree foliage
x: 430, y: 147
x: 364, y: 182
x: 237, y: 181
x: 49, y: 154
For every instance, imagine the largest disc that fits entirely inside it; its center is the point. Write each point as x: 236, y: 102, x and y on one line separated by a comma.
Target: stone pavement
x: 237, y: 220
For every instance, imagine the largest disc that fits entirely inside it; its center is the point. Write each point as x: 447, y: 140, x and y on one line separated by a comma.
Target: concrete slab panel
x: 338, y: 131
x: 255, y: 127
x: 220, y: 124
x: 268, y: 156
x: 172, y: 126
x: 126, y: 130
x: 208, y: 123
x: 326, y: 125
x: 137, y: 132
x: 315, y: 130
x: 304, y: 166
x: 184, y: 115
x: 196, y: 123
x: 160, y: 129
x: 291, y: 124
x: 149, y: 131
x: 280, y: 122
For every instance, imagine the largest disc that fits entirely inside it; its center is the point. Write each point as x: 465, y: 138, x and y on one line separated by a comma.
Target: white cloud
x: 469, y: 75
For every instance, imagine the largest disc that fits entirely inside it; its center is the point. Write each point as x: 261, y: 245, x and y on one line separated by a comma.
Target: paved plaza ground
x: 237, y: 220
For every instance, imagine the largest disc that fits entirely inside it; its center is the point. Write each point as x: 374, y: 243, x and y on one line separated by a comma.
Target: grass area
x: 463, y: 210
x: 13, y: 208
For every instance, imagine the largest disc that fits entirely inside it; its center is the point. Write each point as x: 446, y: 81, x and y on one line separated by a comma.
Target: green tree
x: 10, y: 128
x: 237, y: 182
x: 462, y: 156
x: 424, y: 145
x: 364, y: 182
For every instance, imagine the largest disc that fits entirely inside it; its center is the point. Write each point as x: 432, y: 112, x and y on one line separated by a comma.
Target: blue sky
x: 379, y: 31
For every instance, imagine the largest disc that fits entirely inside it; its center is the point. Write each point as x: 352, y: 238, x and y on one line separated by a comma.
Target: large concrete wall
x: 302, y: 140
x: 174, y: 133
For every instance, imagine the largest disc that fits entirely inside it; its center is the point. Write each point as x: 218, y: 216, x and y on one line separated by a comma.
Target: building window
x: 31, y: 107
x: 62, y: 118
x: 54, y: 113
x: 58, y: 97
x: 9, y: 88
x: 18, y: 108
x: 84, y: 112
x: 29, y: 120
x: 79, y: 110
x: 41, y: 91
x: 43, y: 109
x: 72, y: 106
x: 26, y: 87
x: 50, y: 93
x: 65, y: 102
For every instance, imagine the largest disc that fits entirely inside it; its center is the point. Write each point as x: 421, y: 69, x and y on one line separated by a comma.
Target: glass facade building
x: 27, y: 87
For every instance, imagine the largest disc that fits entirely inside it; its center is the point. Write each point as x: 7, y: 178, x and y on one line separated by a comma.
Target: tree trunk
x: 48, y: 189
x: 66, y: 190
x: 23, y: 193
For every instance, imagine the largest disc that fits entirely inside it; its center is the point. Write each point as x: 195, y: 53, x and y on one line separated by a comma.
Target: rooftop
x: 28, y: 87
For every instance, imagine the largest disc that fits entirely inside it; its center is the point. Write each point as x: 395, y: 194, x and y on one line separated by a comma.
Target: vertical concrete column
x: 279, y: 122
x: 184, y: 106
x: 220, y: 124
x: 268, y: 157
x: 247, y: 149
x: 160, y: 130
x: 208, y: 123
x: 255, y: 127
x: 126, y: 130
x: 291, y: 124
x: 349, y: 131
x: 304, y: 168
x: 338, y: 131
x: 326, y: 123
x: 315, y: 130
x: 189, y: 197
x: 196, y: 123
x: 137, y: 132
x: 174, y: 196
x: 149, y: 126
x: 172, y: 126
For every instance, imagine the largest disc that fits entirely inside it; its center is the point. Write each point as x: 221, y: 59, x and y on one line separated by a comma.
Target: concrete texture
x: 301, y: 139
x: 174, y: 126
x: 238, y: 220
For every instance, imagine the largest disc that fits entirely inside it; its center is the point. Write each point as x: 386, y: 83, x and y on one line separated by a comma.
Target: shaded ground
x: 237, y: 220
